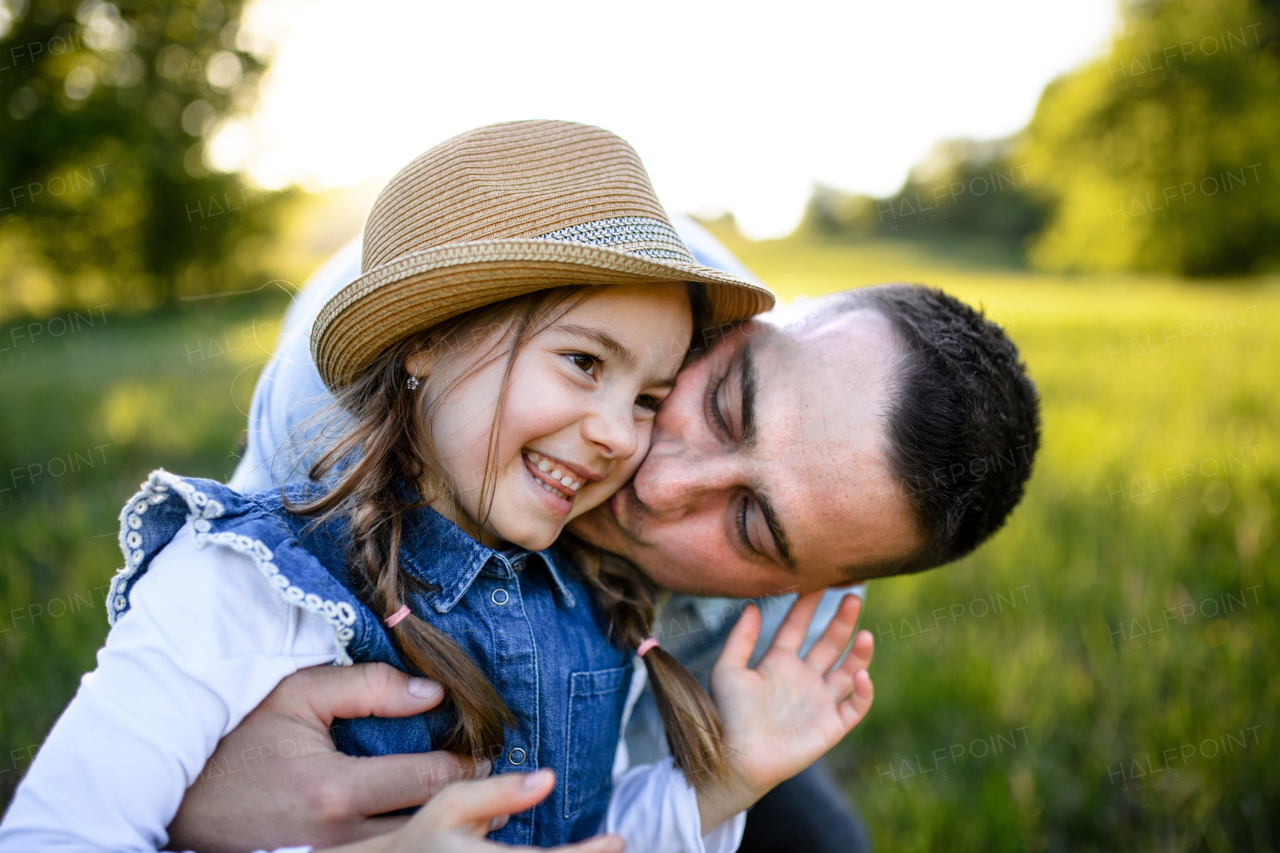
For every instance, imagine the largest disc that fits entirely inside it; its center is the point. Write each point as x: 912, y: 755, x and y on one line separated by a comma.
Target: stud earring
x: 413, y: 382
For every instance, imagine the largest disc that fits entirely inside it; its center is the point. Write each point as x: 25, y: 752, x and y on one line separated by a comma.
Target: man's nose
x: 676, y: 479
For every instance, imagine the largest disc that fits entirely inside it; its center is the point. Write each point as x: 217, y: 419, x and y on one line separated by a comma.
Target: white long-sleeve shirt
x: 204, y: 642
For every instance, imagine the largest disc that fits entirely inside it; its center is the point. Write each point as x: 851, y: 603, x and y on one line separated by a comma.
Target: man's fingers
x: 375, y: 826
x: 363, y: 690
x: 742, y: 640
x: 791, y: 635
x: 386, y: 783
x: 827, y: 650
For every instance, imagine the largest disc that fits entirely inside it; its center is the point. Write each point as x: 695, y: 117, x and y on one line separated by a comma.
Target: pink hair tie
x: 394, y: 619
x: 650, y: 643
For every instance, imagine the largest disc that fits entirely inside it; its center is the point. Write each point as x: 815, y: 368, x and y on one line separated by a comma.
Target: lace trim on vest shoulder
x: 157, y: 488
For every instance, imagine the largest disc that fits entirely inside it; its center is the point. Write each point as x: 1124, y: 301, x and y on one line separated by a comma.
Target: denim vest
x: 529, y: 622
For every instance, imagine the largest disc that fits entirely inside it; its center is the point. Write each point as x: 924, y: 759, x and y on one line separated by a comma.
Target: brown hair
x: 386, y: 466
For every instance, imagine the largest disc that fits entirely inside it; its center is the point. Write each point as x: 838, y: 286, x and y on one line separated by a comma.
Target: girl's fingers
x: 864, y: 646
x: 791, y: 635
x: 473, y: 806
x: 856, y: 706
x: 835, y: 639
x: 742, y: 640
x: 840, y: 684
x: 599, y: 844
x: 841, y: 679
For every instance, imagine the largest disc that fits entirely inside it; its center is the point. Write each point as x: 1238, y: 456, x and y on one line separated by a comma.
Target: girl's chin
x: 530, y: 540
x: 536, y: 545
x: 537, y: 504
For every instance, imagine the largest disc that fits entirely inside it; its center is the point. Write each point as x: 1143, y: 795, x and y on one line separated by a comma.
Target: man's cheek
x: 627, y: 468
x: 683, y: 401
x: 685, y: 554
x: 591, y: 527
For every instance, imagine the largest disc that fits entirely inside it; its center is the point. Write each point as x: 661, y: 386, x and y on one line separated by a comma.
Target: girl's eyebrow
x: 612, y: 345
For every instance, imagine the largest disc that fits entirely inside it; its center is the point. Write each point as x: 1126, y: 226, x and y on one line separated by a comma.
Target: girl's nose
x: 612, y: 429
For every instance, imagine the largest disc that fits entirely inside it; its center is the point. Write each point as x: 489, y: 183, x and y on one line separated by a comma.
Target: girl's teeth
x: 556, y: 474
x: 555, y: 492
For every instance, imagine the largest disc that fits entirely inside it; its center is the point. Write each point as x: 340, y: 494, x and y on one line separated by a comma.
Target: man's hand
x: 458, y: 818
x: 785, y: 714
x: 277, y: 779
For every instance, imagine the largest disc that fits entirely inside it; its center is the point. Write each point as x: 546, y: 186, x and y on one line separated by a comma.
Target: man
x: 853, y: 436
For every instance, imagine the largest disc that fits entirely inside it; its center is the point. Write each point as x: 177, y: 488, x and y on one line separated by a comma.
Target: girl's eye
x: 648, y: 401
x: 585, y: 363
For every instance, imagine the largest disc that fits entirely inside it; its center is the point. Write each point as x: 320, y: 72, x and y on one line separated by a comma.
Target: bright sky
x: 737, y: 107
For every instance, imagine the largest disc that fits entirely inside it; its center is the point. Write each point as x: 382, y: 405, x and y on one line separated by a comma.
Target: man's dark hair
x: 963, y: 424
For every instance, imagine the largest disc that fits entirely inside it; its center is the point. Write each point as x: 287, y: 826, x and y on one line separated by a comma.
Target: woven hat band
x: 636, y: 235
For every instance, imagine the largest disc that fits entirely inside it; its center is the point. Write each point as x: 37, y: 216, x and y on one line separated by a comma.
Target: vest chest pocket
x: 595, y: 721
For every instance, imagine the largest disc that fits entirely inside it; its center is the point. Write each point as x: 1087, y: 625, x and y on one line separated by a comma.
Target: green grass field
x: 1101, y: 675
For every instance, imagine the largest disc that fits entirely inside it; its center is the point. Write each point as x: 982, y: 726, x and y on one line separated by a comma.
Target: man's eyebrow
x: 749, y: 385
x: 611, y: 344
x: 775, y: 530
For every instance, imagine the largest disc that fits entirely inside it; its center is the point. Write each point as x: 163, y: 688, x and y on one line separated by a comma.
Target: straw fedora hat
x: 498, y: 212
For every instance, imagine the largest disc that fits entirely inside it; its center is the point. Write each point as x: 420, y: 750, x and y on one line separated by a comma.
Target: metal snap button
x: 499, y: 597
x: 516, y: 756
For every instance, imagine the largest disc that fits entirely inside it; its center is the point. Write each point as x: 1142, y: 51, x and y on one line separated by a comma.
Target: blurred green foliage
x: 87, y: 414
x: 1162, y: 156
x: 964, y: 191
x: 106, y: 113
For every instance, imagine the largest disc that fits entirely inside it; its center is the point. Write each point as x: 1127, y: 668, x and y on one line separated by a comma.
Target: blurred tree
x: 963, y: 189
x: 831, y: 212
x: 1164, y: 155
x: 106, y: 113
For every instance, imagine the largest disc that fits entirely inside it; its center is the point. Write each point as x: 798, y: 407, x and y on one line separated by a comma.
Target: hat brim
x: 419, y: 290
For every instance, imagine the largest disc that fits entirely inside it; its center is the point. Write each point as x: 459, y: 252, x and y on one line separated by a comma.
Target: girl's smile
x: 558, y: 478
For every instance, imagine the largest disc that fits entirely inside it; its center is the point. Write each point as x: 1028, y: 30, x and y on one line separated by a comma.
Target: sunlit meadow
x: 1101, y: 675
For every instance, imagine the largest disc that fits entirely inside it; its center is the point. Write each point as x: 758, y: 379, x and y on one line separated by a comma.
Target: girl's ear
x: 419, y: 364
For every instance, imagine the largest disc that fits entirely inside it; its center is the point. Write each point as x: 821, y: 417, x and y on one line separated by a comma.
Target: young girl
x: 525, y: 308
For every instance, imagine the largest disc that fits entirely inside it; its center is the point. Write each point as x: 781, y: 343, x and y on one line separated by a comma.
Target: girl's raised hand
x: 786, y: 712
